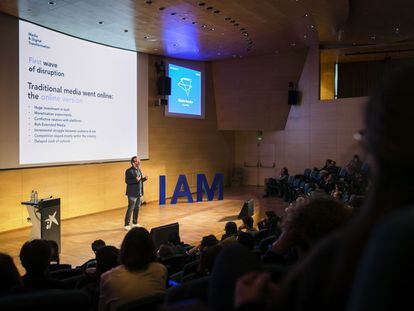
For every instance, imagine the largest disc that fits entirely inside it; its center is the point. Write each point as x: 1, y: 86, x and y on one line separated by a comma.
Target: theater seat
x: 62, y: 300
x: 147, y: 303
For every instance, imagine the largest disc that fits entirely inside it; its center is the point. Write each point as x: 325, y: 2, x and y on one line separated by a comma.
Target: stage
x: 196, y: 220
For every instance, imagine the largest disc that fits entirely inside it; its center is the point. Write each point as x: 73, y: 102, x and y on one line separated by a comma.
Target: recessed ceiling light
x: 202, y: 4
x: 203, y: 26
x: 175, y: 44
x: 312, y: 27
x: 236, y: 24
x: 209, y: 8
x: 101, y: 23
x: 397, y: 31
x: 126, y: 30
x: 293, y: 44
x: 148, y: 1
x: 52, y: 3
x: 183, y: 18
x: 306, y: 15
x: 227, y: 18
x: 173, y: 13
x: 194, y: 23
x: 217, y: 11
x: 305, y: 36
x: 161, y: 8
x: 373, y: 37
x: 211, y: 29
x: 232, y: 21
x: 146, y: 37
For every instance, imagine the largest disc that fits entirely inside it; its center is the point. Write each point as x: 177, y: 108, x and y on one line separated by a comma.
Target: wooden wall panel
x: 315, y: 130
x: 252, y: 93
x: 176, y: 146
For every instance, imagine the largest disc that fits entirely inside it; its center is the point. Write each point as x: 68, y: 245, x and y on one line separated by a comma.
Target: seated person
x: 55, y: 259
x: 106, y: 259
x: 95, y: 245
x: 177, y: 246
x: 138, y: 276
x: 327, y: 183
x: 247, y: 225
x: 246, y: 239
x: 207, y: 241
x: 165, y: 251
x: 304, y: 225
x: 207, y: 259
x: 276, y: 184
x: 270, y: 222
x: 10, y: 281
x: 354, y: 166
x: 35, y: 258
x: 230, y: 234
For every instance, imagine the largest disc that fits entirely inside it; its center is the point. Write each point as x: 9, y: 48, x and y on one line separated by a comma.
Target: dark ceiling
x: 214, y: 29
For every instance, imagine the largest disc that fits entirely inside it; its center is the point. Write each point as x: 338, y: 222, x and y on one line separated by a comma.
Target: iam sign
x: 182, y: 189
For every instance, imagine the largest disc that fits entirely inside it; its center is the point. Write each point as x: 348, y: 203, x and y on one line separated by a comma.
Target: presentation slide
x: 185, y: 98
x: 78, y: 99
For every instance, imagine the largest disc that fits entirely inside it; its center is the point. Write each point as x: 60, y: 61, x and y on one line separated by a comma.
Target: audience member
x: 107, y: 258
x: 35, y: 258
x: 177, y: 246
x: 304, y: 225
x: 138, y: 276
x: 270, y: 223
x: 247, y: 225
x: 324, y: 278
x: 230, y: 233
x: 274, y: 186
x: 246, y: 239
x: 354, y: 166
x: 91, y: 263
x: 10, y: 280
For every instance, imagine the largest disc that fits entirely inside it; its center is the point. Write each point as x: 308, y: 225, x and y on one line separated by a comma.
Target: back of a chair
x: 56, y: 267
x: 147, y: 303
x: 384, y: 280
x: 194, y: 289
x: 62, y: 300
x: 65, y: 273
x: 174, y: 262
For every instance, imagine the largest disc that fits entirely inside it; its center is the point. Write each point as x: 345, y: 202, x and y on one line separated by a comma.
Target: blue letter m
x: 203, y: 184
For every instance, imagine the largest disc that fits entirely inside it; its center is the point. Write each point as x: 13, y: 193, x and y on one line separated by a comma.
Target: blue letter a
x: 203, y: 184
x: 182, y: 181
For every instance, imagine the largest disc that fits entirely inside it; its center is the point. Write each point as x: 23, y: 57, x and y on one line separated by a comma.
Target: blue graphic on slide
x: 185, y: 95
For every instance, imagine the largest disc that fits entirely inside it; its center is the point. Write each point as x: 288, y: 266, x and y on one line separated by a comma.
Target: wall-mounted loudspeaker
x: 164, y: 86
x: 293, y: 94
x: 293, y: 97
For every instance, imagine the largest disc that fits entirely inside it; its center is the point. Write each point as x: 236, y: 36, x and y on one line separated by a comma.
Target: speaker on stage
x: 159, y: 235
x: 247, y: 209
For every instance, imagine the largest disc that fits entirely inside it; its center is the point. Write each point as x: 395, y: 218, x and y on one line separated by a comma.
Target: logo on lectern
x: 51, y: 220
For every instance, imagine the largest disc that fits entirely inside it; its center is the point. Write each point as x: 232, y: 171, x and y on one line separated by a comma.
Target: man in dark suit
x: 134, y: 190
